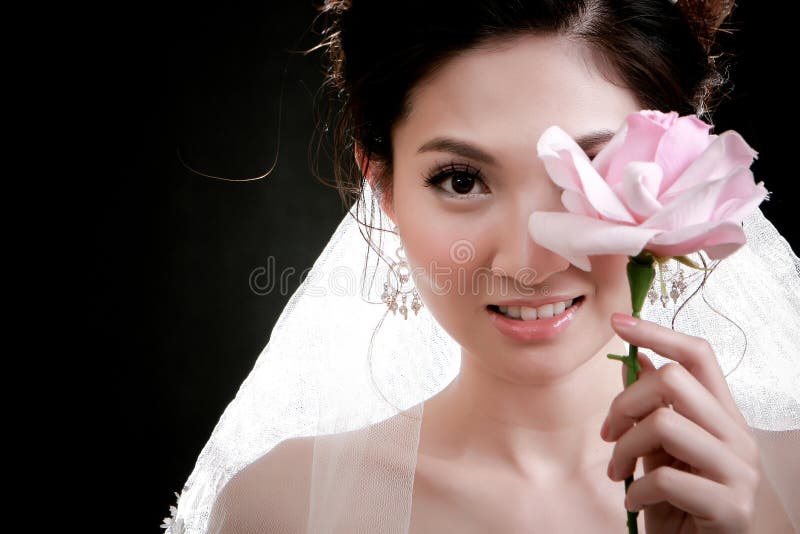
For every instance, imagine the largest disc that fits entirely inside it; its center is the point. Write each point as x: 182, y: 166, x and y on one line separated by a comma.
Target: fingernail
x: 623, y: 320
x: 604, y: 430
x: 610, y: 470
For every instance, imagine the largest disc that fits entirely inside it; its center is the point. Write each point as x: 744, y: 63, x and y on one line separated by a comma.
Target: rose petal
x: 561, y: 170
x: 569, y: 167
x: 641, y: 144
x: 575, y: 202
x: 576, y: 236
x: 640, y: 187
x: 602, y: 161
x: 693, y: 206
x: 728, y: 151
x: 737, y: 209
x: 739, y: 196
x: 680, y: 145
x: 666, y: 120
x: 719, y: 239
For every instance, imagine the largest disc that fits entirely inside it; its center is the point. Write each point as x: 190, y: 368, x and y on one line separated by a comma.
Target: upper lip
x: 535, y: 303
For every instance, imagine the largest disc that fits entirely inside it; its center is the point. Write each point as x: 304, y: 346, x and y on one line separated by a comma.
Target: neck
x: 541, y: 430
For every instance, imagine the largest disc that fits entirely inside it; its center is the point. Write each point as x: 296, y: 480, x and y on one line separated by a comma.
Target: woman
x: 445, y: 102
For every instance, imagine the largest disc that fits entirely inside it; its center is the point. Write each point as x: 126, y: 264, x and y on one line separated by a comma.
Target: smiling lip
x: 536, y: 330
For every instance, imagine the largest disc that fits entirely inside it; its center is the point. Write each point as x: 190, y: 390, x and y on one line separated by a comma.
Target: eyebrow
x: 594, y: 139
x: 462, y: 148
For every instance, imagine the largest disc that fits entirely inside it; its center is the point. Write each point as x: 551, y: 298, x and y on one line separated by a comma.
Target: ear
x: 370, y: 171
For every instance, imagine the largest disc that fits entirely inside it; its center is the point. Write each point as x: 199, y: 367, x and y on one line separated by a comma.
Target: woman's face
x: 466, y: 237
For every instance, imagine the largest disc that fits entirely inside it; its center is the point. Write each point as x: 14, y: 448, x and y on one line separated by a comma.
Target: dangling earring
x: 675, y: 280
x: 401, y: 272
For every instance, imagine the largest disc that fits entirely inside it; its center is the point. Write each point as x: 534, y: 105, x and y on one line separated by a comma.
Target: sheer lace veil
x: 337, y: 395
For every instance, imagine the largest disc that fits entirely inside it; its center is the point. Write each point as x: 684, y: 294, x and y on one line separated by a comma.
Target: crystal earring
x: 399, y: 270
x: 676, y: 281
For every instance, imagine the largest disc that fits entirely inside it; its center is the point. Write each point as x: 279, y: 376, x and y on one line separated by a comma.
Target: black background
x: 174, y: 327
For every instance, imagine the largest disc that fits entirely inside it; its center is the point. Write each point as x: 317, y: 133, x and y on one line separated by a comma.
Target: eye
x: 458, y: 180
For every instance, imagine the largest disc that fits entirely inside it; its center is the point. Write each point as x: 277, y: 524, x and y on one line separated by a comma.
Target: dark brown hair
x: 376, y: 52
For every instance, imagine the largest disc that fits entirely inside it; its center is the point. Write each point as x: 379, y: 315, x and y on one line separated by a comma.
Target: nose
x: 521, y: 259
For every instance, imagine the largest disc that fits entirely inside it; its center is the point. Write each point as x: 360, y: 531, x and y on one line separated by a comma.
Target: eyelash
x: 442, y: 173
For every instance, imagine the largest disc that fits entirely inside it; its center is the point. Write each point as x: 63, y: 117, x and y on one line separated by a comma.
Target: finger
x: 714, y: 507
x: 645, y: 364
x: 694, y: 353
x: 680, y: 438
x: 695, y: 495
x: 657, y: 459
x: 672, y: 385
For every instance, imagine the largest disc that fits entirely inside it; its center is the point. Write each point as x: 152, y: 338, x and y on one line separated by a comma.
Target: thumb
x: 645, y: 364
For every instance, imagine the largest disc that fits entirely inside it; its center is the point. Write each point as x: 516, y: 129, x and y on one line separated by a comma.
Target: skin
x: 526, y: 418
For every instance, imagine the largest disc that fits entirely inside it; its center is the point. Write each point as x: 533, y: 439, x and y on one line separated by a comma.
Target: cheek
x: 611, y: 282
x: 426, y: 243
x: 434, y: 240
x: 445, y: 259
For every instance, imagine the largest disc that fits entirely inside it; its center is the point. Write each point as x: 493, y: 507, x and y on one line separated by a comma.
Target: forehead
x: 509, y: 94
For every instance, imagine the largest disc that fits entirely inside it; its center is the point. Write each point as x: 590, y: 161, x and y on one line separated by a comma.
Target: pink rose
x: 662, y: 183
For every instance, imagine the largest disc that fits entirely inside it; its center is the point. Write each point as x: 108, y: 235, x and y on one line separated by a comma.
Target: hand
x: 701, y: 462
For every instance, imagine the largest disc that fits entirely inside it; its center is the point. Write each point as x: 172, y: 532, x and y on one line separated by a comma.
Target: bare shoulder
x: 268, y: 495
x: 271, y: 494
x: 780, y: 475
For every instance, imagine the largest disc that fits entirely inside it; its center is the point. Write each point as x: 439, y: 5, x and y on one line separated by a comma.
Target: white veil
x: 354, y: 470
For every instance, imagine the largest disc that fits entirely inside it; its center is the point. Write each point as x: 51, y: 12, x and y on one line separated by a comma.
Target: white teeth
x: 545, y: 311
x: 530, y: 314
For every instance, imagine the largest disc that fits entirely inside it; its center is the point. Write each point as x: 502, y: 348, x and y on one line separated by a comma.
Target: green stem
x: 641, y: 272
